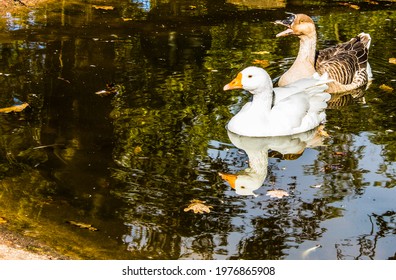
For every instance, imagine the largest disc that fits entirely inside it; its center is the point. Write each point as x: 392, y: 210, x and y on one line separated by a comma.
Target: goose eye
x: 249, y: 76
x: 243, y: 187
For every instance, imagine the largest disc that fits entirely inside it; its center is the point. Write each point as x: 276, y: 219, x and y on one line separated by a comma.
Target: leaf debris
x: 277, y: 193
x: 99, y: 7
x: 198, y: 206
x: 15, y: 108
x: 82, y: 225
x: 386, y: 88
x: 3, y: 221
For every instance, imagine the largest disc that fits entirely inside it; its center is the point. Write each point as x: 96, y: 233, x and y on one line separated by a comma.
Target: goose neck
x: 307, y: 48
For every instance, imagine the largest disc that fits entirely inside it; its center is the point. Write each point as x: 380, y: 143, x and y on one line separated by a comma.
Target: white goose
x: 288, y: 110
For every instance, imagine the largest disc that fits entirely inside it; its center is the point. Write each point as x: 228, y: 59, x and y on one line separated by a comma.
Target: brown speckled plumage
x: 346, y: 63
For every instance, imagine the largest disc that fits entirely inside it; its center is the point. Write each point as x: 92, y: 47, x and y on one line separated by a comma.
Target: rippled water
x: 126, y: 166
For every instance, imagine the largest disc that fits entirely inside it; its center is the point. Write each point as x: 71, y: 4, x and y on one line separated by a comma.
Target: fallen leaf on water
x: 126, y: 19
x: 371, y: 2
x: 2, y: 221
x: 356, y: 7
x: 277, y: 193
x: 63, y: 79
x: 111, y: 88
x: 316, y: 186
x: 261, y: 52
x: 98, y: 7
x: 198, y: 206
x: 340, y: 153
x: 15, y: 108
x: 386, y: 88
x: 137, y: 150
x: 392, y: 60
x: 322, y: 132
x: 262, y: 62
x: 82, y: 225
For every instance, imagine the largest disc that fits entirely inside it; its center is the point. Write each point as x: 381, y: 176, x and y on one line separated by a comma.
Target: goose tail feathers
x: 365, y: 39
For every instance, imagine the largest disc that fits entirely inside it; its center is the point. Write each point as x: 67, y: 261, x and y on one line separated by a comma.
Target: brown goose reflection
x: 258, y: 149
x: 346, y: 98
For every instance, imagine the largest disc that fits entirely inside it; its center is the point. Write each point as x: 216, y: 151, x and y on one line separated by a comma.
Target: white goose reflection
x: 257, y: 150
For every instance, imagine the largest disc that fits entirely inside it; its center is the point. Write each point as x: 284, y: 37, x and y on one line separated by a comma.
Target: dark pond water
x: 128, y: 164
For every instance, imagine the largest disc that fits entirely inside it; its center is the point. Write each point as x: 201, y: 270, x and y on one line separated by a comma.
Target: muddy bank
x: 14, y: 246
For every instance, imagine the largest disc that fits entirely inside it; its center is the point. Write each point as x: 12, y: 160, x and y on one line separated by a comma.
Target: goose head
x: 297, y: 24
x: 253, y: 79
x: 244, y: 184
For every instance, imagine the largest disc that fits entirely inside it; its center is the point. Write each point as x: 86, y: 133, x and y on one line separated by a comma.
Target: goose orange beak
x: 230, y: 178
x: 235, y: 83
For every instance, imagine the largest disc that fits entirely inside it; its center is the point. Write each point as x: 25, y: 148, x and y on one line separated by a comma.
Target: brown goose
x: 345, y: 63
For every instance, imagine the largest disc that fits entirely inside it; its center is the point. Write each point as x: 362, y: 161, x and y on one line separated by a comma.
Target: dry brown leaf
x: 15, y: 108
x: 262, y: 62
x: 356, y: 7
x: 198, y: 206
x: 261, y: 52
x: 386, y: 88
x: 111, y: 88
x: 321, y: 131
x: 277, y: 193
x: 98, y: 7
x: 137, y: 150
x: 392, y: 60
x: 82, y: 225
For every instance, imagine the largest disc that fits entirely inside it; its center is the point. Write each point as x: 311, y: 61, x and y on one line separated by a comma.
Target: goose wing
x: 345, y: 63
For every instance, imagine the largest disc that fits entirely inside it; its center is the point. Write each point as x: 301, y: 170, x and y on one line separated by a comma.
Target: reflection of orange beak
x: 230, y: 178
x: 235, y: 83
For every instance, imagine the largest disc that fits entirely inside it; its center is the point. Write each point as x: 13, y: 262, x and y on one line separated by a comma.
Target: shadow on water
x: 109, y: 177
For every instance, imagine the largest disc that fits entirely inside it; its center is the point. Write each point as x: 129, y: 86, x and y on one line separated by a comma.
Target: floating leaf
x: 356, y: 7
x: 340, y: 153
x: 82, y: 225
x: 386, y: 88
x: 198, y: 206
x: 261, y: 62
x: 371, y: 2
x: 316, y: 186
x: 15, y: 108
x: 322, y: 132
x: 98, y: 7
x: 277, y: 193
x: 392, y: 60
x: 261, y: 52
x: 63, y: 79
x: 111, y: 88
x: 137, y: 150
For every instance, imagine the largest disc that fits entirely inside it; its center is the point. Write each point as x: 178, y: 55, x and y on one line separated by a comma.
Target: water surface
x: 128, y: 164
